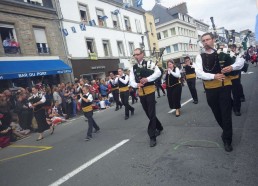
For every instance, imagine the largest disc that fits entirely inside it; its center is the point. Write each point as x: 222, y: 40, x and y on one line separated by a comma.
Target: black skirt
x: 40, y: 117
x: 174, y: 96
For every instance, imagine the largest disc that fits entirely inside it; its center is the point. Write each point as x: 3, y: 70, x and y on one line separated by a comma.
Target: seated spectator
x: 14, y: 43
x: 5, y: 133
x: 53, y: 118
x: 102, y: 104
x: 17, y: 130
x: 110, y: 97
x: 7, y: 42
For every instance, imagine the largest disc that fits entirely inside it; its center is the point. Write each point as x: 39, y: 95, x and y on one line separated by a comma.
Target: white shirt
x: 43, y: 99
x: 124, y: 81
x: 102, y: 104
x: 176, y: 74
x: 113, y: 81
x: 151, y: 78
x: 239, y: 63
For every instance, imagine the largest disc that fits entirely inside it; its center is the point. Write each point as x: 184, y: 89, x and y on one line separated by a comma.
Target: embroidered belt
x: 189, y: 76
x: 87, y: 109
x: 216, y: 83
x: 234, y: 77
x: 147, y: 90
x: 123, y: 89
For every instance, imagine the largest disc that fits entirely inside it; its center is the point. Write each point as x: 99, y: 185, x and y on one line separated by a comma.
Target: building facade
x: 101, y: 35
x: 29, y: 30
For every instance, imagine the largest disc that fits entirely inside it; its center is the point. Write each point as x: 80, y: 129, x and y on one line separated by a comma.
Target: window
x: 156, y: 20
x: 115, y: 20
x: 173, y: 31
x: 151, y: 29
x: 158, y: 36
x: 131, y: 47
x: 84, y: 13
x: 90, y: 46
x: 120, y: 47
x: 101, y: 17
x: 8, y: 36
x: 106, y: 47
x: 127, y: 24
x: 175, y: 46
x: 41, y: 40
x: 165, y: 33
x: 34, y: 2
x: 130, y: 2
x: 138, y: 26
x: 168, y: 49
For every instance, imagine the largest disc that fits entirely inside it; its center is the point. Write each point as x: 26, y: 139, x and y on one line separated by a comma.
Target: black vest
x: 189, y: 70
x: 34, y: 99
x: 113, y: 86
x: 171, y: 80
x: 85, y: 104
x: 210, y: 62
x: 142, y: 72
x: 122, y: 84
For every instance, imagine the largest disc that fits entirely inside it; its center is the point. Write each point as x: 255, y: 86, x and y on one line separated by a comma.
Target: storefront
x: 94, y: 69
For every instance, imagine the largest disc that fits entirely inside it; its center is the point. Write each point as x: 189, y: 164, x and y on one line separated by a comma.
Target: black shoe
x: 195, y: 102
x: 228, y: 147
x: 88, y: 138
x: 153, y: 143
x: 237, y: 113
x: 126, y: 117
x: 132, y: 112
x: 121, y: 106
x: 96, y: 131
x: 242, y: 99
x: 116, y: 109
x: 164, y: 94
x: 157, y: 132
x: 136, y: 100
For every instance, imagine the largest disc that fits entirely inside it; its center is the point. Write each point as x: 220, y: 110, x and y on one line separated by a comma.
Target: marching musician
x: 142, y: 76
x: 36, y: 102
x: 174, y: 87
x: 113, y: 81
x: 190, y: 78
x: 123, y: 82
x: 214, y: 69
x: 86, y: 104
x: 235, y: 79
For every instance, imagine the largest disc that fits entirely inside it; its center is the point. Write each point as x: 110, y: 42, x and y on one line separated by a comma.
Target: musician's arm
x: 199, y: 70
x: 132, y: 79
x: 155, y: 75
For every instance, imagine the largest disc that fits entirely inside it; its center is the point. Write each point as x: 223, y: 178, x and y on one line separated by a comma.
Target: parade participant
x: 235, y: 79
x: 174, y: 87
x: 158, y: 83
x: 217, y: 85
x: 123, y: 82
x: 113, y: 81
x: 86, y: 104
x: 142, y: 76
x: 36, y: 102
x: 190, y: 78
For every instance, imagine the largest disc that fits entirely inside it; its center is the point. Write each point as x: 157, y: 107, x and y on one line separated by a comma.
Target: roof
x: 133, y: 7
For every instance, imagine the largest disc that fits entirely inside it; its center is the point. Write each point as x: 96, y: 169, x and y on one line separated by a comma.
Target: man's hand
x: 139, y: 85
x: 219, y: 77
x: 227, y: 69
x: 144, y: 80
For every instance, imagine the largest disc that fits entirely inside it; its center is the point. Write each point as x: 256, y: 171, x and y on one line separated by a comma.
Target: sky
x: 231, y: 14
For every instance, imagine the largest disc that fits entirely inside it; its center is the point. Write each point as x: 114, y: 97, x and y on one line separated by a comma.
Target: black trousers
x: 25, y: 119
x: 236, y: 89
x: 149, y: 106
x: 191, y: 85
x: 116, y: 98
x: 133, y: 95
x: 219, y: 100
x: 124, y: 98
x: 91, y: 123
x: 40, y: 117
x: 158, y: 86
x: 174, y: 96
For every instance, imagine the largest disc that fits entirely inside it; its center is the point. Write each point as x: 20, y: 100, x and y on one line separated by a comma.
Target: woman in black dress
x: 36, y: 102
x: 174, y: 87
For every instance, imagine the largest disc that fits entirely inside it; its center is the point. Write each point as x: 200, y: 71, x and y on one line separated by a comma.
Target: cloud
x: 238, y: 14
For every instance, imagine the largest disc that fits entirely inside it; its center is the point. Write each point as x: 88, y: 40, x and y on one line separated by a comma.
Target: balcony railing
x: 12, y: 50
x: 43, y: 50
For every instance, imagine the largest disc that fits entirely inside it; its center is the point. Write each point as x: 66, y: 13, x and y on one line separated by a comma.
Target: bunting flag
x: 115, y: 12
x: 103, y: 17
x: 92, y: 22
x: 126, y: 5
x: 139, y: 3
x: 73, y: 29
x: 83, y: 27
x: 65, y: 32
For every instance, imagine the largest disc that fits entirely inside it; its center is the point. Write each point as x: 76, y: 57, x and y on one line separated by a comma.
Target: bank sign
x: 32, y: 74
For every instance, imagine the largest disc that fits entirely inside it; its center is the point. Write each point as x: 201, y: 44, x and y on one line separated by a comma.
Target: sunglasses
x: 137, y: 54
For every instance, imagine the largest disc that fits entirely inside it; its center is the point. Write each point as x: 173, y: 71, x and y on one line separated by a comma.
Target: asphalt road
x: 188, y: 152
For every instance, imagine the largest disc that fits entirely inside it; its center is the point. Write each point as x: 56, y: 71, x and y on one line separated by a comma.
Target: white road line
x: 173, y: 110
x: 87, y: 164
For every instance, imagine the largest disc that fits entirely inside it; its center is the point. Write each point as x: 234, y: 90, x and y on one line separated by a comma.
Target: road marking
x: 41, y: 148
x: 185, y: 142
x: 87, y: 164
x: 173, y: 110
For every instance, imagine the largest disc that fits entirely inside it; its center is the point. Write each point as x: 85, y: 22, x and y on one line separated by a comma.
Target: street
x: 189, y: 151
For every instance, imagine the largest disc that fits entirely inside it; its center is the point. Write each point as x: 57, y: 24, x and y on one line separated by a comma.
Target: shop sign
x: 98, y: 67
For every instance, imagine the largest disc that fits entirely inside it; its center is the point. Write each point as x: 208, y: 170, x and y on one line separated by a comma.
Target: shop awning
x: 32, y: 68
